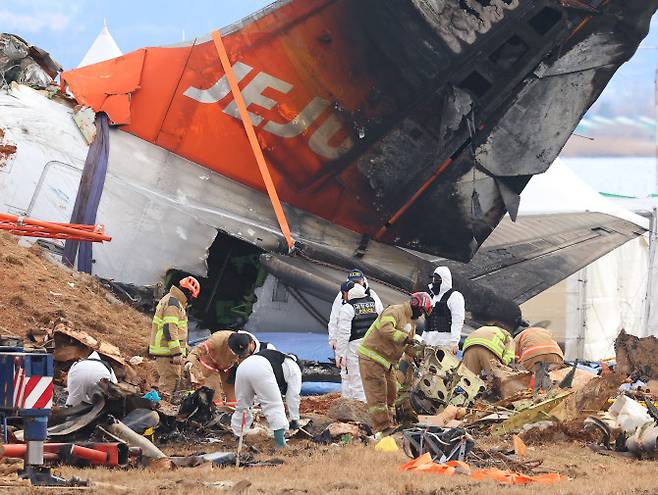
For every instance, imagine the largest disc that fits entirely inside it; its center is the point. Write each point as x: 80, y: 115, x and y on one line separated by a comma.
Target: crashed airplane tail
x: 397, y: 134
x: 372, y: 115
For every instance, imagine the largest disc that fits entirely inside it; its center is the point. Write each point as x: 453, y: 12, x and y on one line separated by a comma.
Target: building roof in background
x: 103, y: 48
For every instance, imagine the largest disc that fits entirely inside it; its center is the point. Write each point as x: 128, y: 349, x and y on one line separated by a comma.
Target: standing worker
x: 210, y: 362
x: 443, y: 327
x: 355, y: 276
x: 266, y: 376
x: 536, y: 345
x: 168, y: 343
x: 354, y: 320
x: 381, y: 350
x: 485, y: 346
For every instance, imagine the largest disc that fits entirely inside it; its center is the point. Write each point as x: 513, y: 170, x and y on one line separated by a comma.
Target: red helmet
x: 191, y: 284
x: 422, y: 301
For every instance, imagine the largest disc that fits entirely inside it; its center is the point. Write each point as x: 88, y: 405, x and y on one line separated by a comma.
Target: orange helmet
x: 191, y: 284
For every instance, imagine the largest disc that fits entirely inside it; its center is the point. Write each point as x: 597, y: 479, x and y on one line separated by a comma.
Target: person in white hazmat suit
x: 444, y: 325
x: 265, y: 377
x: 83, y: 377
x: 355, y: 276
x: 354, y: 320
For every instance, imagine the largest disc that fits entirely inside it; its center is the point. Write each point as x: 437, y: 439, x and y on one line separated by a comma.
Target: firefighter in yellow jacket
x: 536, y: 345
x: 485, y: 346
x: 379, y: 354
x: 168, y: 344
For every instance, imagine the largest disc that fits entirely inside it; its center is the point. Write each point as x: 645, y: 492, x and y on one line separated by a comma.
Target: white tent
x: 589, y: 309
x: 103, y: 48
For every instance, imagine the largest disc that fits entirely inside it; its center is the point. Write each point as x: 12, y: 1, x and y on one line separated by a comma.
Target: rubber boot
x: 279, y: 438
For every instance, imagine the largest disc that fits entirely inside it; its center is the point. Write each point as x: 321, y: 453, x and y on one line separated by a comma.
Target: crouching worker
x: 380, y: 352
x: 209, y: 364
x: 267, y: 376
x: 83, y: 378
x: 354, y: 320
x: 485, y: 346
x: 536, y: 345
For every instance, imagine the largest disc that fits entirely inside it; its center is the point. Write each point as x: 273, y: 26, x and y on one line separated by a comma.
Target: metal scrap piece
x: 442, y: 380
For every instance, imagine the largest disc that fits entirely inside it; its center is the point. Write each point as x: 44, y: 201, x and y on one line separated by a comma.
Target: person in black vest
x: 255, y: 346
x: 267, y: 376
x: 354, y: 320
x: 444, y: 325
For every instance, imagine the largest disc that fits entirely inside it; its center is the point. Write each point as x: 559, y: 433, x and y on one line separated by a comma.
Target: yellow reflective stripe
x: 174, y: 343
x: 160, y: 322
x: 377, y: 409
x: 364, y: 351
x: 387, y: 319
x: 492, y: 345
x: 399, y: 336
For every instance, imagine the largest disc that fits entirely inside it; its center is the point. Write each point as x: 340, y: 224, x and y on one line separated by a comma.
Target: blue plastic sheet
x: 311, y: 346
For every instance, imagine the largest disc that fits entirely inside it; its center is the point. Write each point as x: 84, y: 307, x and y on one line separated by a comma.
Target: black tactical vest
x: 276, y: 359
x: 365, y: 314
x: 440, y: 320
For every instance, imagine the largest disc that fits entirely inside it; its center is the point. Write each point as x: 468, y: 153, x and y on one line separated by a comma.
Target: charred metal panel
x: 538, y: 68
x: 374, y: 114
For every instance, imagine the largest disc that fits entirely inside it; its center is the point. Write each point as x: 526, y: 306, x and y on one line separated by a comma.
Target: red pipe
x: 17, y: 451
x: 92, y: 455
x: 52, y: 450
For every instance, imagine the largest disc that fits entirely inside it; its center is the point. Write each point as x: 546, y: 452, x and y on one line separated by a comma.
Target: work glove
x: 294, y: 424
x: 177, y: 359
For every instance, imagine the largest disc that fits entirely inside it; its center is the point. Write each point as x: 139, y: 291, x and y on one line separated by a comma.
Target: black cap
x: 355, y: 274
x: 346, y: 286
x: 239, y: 343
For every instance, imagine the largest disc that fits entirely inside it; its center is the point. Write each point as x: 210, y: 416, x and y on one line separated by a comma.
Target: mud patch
x: 559, y: 432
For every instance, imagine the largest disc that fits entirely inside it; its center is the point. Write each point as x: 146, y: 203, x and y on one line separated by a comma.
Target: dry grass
x: 35, y: 292
x: 362, y: 470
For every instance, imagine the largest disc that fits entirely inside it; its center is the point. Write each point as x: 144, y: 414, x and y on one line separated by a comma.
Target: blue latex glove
x: 279, y: 438
x: 152, y: 395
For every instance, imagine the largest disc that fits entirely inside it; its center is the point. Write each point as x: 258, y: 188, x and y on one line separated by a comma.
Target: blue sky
x: 67, y: 28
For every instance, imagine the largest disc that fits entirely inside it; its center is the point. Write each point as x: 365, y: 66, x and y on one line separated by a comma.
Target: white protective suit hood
x: 446, y: 280
x: 356, y: 292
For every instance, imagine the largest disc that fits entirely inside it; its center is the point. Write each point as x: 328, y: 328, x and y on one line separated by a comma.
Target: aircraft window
x: 545, y: 20
x: 509, y: 53
x: 475, y: 83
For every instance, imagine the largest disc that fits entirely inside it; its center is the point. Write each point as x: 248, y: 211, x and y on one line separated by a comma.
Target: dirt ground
x: 35, y: 292
x: 362, y: 470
